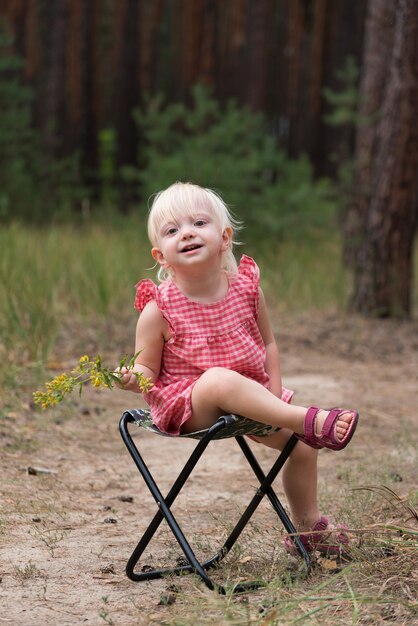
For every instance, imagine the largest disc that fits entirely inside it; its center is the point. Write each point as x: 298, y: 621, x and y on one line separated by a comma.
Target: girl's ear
x: 158, y: 256
x: 226, y: 238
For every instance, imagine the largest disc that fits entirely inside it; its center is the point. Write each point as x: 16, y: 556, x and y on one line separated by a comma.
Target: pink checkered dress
x: 220, y: 334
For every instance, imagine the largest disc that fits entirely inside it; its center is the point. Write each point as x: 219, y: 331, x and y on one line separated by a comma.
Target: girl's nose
x: 187, y: 233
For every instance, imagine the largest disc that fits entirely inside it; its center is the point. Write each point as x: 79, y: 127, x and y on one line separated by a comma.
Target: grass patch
x: 364, y: 592
x: 298, y: 277
x: 28, y: 571
x: 66, y: 274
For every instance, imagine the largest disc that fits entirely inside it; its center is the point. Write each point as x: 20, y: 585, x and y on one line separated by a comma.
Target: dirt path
x: 65, y: 536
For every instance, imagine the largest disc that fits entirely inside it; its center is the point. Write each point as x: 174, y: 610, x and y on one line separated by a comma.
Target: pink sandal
x: 328, y: 542
x: 327, y: 438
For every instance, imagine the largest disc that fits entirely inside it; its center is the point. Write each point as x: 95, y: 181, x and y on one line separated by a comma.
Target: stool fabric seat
x: 227, y: 426
x: 234, y: 426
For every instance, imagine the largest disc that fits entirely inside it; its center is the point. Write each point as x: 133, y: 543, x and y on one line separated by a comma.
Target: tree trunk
x: 82, y: 84
x: 125, y: 96
x: 383, y: 219
x: 258, y: 25
x: 52, y: 104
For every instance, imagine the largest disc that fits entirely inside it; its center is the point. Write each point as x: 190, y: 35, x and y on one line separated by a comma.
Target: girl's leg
x: 300, y: 484
x: 219, y: 391
x: 299, y: 477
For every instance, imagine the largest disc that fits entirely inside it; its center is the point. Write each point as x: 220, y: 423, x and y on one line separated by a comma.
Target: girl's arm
x: 151, y: 331
x: 272, y: 363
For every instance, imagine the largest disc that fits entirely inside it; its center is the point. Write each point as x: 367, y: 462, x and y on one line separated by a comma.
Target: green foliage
x: 33, y: 185
x: 27, y: 303
x: 344, y: 112
x: 107, y: 166
x: 344, y: 102
x: 54, y: 278
x: 223, y: 147
x: 87, y: 371
x: 299, y: 277
x: 228, y: 149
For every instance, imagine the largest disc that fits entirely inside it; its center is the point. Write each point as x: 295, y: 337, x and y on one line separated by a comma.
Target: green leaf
x: 122, y: 362
x: 133, y: 359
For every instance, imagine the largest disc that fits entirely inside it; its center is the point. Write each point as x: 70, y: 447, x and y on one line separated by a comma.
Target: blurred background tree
x: 382, y: 218
x: 282, y: 105
x: 91, y: 64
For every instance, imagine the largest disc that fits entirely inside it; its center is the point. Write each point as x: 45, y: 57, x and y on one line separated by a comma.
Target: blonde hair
x: 189, y: 198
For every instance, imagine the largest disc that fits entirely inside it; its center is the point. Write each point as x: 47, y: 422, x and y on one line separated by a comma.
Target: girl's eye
x: 199, y: 223
x: 171, y: 231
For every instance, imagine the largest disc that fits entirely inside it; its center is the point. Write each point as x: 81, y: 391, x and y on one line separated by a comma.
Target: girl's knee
x: 219, y: 380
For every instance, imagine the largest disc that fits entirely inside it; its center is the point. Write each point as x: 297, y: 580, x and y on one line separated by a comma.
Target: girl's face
x: 191, y: 241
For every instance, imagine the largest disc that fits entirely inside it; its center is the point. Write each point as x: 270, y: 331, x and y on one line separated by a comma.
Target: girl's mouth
x: 192, y: 246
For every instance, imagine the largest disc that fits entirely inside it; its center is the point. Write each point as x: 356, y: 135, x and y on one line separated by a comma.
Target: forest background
x: 302, y: 114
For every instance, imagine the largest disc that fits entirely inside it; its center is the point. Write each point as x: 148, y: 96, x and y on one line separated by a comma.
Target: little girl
x: 205, y: 340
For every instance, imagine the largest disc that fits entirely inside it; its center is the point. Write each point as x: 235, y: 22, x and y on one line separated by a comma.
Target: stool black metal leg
x: 268, y: 490
x: 164, y: 510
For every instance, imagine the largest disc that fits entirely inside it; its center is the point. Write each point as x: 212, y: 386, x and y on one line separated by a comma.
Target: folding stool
x: 226, y: 426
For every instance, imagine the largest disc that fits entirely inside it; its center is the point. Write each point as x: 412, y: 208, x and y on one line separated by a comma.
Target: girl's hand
x: 128, y: 380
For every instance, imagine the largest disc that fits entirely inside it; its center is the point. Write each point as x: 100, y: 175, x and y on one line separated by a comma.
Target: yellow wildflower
x: 88, y: 370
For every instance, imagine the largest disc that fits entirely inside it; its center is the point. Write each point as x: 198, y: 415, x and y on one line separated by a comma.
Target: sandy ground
x: 66, y: 533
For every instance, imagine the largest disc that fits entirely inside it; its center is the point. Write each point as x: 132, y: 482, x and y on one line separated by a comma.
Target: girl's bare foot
x: 341, y: 427
x: 329, y: 429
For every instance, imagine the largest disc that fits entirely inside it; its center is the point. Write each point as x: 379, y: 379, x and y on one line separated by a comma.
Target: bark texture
x: 383, y: 219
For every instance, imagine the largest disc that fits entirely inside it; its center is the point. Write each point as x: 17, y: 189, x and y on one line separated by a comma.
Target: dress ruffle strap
x: 146, y: 290
x: 248, y: 267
